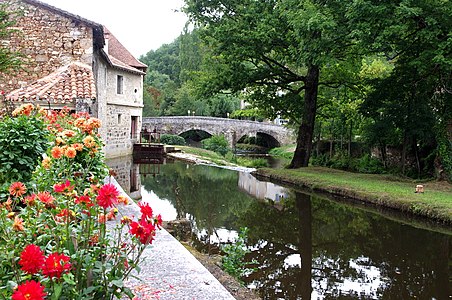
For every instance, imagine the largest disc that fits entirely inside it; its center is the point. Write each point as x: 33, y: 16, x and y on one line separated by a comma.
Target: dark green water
x: 306, y: 246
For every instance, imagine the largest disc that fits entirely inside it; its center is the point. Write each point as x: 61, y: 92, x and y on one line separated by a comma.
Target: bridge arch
x: 232, y: 129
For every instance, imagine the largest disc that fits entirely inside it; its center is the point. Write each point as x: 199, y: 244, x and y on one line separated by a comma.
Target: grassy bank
x: 388, y: 191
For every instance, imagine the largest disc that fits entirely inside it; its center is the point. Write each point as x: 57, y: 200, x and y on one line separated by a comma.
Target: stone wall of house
x: 48, y: 41
x: 119, y: 139
x: 119, y: 110
x: 132, y: 89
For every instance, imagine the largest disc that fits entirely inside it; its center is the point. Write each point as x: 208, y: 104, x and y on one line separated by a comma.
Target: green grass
x: 205, y: 154
x: 230, y: 159
x: 252, y: 162
x: 390, y: 191
x: 283, y: 152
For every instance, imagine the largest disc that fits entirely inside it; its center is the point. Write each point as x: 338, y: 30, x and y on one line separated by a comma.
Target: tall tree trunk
x: 350, y: 139
x: 404, y: 151
x: 319, y: 136
x: 306, y: 129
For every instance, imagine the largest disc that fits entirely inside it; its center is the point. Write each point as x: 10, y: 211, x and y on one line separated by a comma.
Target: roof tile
x: 71, y: 82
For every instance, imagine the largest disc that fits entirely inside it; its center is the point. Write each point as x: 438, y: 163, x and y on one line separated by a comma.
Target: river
x: 304, y: 246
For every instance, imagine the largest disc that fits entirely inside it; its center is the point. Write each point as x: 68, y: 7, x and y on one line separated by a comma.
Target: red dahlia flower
x: 31, y: 259
x: 143, y: 230
x: 46, y: 198
x: 63, y: 187
x: 158, y: 221
x: 17, y: 189
x: 30, y: 290
x: 55, y: 265
x: 107, y: 196
x: 30, y: 200
x: 146, y: 210
x: 84, y: 199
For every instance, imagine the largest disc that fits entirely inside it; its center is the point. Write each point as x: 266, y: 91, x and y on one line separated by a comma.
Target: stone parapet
x: 232, y: 129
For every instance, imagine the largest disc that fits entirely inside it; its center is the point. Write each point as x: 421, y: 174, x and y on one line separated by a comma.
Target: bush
x: 233, y: 261
x: 23, y: 140
x: 216, y: 143
x: 368, y: 164
x: 172, y: 139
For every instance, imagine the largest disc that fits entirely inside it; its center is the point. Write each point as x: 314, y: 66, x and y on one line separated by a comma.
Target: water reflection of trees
x: 207, y: 194
x: 313, y: 246
x: 354, y: 253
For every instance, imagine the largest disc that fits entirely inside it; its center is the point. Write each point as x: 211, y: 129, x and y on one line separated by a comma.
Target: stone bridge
x: 232, y: 129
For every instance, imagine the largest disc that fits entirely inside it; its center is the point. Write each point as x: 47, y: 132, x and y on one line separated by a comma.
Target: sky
x: 140, y: 25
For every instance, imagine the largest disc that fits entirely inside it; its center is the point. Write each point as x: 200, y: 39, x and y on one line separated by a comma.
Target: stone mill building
x: 74, y: 62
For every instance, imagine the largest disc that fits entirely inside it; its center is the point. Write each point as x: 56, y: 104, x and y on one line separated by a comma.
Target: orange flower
x: 46, y: 198
x: 59, y: 141
x: 77, y: 146
x: 17, y: 189
x: 70, y: 152
x: 123, y: 199
x: 80, y: 122
x: 69, y: 133
x: 126, y: 220
x: 56, y: 152
x: 111, y: 215
x: 94, y: 239
x: 101, y: 218
x: 18, y: 224
x: 46, y: 162
x: 89, y: 142
x: 7, y: 204
x: 65, y: 215
x: 27, y: 109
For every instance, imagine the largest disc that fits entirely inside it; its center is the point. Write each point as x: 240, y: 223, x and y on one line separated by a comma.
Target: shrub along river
x: 305, y: 246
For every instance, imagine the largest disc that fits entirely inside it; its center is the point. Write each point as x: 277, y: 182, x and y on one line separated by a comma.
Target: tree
x: 276, y: 52
x: 415, y: 102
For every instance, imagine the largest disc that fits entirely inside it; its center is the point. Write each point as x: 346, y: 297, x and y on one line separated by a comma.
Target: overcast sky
x: 140, y: 25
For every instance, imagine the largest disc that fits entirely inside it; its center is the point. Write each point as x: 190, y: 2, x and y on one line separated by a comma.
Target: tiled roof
x: 120, y: 56
x: 71, y: 82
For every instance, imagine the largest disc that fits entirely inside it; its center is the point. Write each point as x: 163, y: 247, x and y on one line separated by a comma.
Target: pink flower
x: 107, y: 196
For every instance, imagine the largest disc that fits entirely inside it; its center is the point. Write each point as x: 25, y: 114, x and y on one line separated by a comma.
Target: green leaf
x: 118, y: 283
x: 57, y: 289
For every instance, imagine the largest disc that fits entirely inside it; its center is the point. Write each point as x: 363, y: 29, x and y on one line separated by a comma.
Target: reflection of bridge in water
x: 232, y: 129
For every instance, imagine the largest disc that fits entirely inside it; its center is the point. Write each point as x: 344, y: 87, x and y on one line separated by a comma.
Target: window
x: 134, y: 127
x: 120, y: 84
x: 119, y: 118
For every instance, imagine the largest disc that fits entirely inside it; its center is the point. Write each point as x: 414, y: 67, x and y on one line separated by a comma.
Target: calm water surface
x: 305, y: 246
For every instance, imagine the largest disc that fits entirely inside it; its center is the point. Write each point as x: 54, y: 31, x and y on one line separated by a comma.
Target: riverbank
x: 387, y: 191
